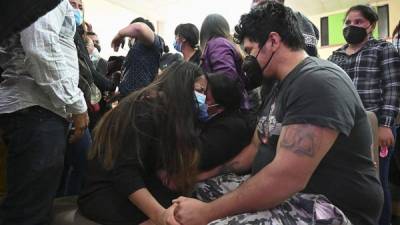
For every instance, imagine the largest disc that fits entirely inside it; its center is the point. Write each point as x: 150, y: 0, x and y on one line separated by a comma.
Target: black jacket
x: 87, y: 71
x: 224, y: 136
x: 18, y: 14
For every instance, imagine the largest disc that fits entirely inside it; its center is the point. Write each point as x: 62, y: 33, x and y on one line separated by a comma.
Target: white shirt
x: 41, y: 66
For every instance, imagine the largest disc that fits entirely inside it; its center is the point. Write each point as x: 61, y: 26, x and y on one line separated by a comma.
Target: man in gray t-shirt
x: 317, y: 130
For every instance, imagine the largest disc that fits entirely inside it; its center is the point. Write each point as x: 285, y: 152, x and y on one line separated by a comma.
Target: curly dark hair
x: 225, y: 91
x: 270, y: 17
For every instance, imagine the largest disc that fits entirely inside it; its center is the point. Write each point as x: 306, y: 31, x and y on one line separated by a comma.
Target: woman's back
x: 133, y: 169
x: 221, y: 56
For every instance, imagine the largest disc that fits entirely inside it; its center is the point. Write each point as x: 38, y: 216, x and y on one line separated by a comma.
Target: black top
x: 224, y: 136
x: 26, y: 11
x: 104, y: 198
x: 196, y: 58
x: 320, y: 93
x: 87, y: 71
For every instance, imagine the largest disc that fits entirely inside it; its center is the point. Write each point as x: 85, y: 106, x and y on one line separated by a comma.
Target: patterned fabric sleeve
x: 300, y: 209
x: 390, y: 67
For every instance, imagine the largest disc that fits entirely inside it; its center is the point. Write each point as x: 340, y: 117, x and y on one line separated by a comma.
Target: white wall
x: 195, y: 13
x: 107, y: 19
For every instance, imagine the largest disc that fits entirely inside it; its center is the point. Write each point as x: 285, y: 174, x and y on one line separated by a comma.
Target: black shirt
x: 224, y: 136
x: 320, y: 93
x: 196, y: 57
x: 104, y: 198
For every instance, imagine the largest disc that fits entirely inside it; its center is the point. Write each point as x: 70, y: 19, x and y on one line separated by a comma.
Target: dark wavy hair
x: 213, y: 26
x: 189, y: 32
x: 270, y: 17
x: 174, y: 114
x: 226, y: 91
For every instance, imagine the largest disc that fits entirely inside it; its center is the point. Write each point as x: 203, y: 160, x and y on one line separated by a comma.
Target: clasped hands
x: 187, y: 211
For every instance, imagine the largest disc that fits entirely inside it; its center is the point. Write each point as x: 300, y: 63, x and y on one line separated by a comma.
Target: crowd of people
x: 244, y: 128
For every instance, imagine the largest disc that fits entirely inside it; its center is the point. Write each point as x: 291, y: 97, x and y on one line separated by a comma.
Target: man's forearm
x: 242, y: 162
x: 301, y: 147
x: 139, y: 31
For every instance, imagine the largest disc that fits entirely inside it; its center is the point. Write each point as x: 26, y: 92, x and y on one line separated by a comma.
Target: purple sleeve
x: 221, y: 57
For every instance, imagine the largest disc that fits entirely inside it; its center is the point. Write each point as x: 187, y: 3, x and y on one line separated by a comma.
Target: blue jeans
x: 75, y: 166
x: 384, y: 168
x: 36, y: 140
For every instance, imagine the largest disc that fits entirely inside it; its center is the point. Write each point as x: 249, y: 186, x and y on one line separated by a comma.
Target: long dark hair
x: 396, y: 31
x: 225, y: 91
x: 214, y: 25
x: 173, y: 110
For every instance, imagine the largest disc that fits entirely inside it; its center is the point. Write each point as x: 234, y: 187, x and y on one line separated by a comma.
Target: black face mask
x: 354, y: 34
x: 253, y: 70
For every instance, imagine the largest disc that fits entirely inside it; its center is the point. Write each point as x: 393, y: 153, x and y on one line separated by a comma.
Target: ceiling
x: 181, y: 8
x: 315, y: 7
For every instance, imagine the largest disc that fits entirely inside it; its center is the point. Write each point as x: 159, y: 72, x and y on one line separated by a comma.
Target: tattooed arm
x: 301, y: 147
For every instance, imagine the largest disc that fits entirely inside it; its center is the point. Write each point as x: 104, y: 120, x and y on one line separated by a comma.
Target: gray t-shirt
x: 320, y: 93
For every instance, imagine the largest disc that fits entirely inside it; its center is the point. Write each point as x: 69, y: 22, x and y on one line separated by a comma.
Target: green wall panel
x: 335, y: 23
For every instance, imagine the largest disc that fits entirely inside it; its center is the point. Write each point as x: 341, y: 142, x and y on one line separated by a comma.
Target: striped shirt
x: 396, y: 42
x: 41, y: 66
x: 375, y: 71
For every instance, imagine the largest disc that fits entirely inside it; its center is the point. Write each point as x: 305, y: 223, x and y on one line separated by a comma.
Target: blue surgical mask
x: 178, y: 46
x: 201, y: 101
x: 78, y: 17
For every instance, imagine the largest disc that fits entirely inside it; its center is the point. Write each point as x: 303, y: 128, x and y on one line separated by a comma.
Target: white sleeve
x: 45, y: 48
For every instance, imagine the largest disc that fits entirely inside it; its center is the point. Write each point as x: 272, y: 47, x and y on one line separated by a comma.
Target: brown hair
x: 215, y: 25
x: 173, y: 113
x: 396, y: 31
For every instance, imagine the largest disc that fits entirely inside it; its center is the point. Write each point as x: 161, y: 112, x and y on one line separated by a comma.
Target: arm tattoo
x: 303, y: 140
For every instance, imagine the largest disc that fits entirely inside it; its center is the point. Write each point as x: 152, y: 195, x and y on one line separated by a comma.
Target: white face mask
x: 95, y: 55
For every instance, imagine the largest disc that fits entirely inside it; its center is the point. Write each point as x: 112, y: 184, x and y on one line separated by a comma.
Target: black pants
x: 36, y: 140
